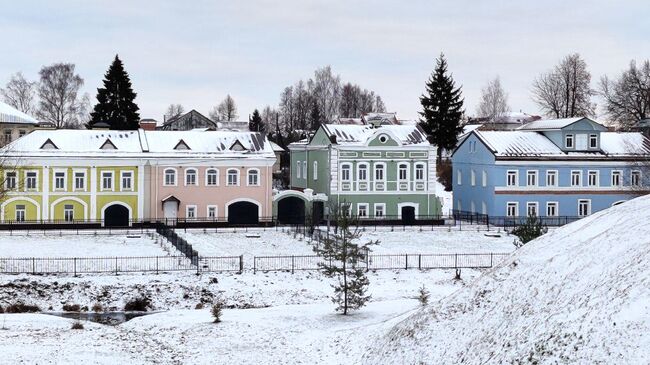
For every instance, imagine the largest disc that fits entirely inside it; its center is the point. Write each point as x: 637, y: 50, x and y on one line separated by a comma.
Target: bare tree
x: 225, y: 111
x: 327, y: 89
x: 565, y: 91
x: 173, y: 111
x: 627, y: 98
x: 58, y: 91
x: 20, y: 93
x: 82, y: 116
x: 494, y: 101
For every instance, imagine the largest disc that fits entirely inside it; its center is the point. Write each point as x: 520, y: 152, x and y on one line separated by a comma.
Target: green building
x: 371, y: 171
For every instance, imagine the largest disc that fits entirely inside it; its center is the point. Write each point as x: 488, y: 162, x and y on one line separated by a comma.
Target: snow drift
x: 580, y: 294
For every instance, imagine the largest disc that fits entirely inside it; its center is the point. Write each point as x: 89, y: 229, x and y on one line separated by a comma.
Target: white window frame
x: 567, y: 138
x: 634, y: 173
x: 472, y: 177
x: 406, y: 171
x: 167, y: 183
x: 35, y: 188
x: 588, y: 201
x: 593, y: 137
x: 483, y: 208
x: 459, y: 177
x: 65, y: 180
x: 366, y: 169
x: 383, y: 210
x: 237, y: 180
x: 101, y: 182
x: 516, y: 208
x: 556, y: 207
x: 420, y: 169
x: 595, y: 173
x: 619, y: 178
x: 83, y: 180
x: 346, y: 167
x: 366, y: 207
x: 535, y: 176
x: 304, y: 170
x: 208, y: 173
x: 187, y: 211
x: 67, y: 210
x: 298, y: 169
x: 515, y: 175
x: 555, y: 174
x: 536, y: 207
x: 315, y: 172
x: 484, y: 179
x: 207, y: 211
x: 131, y: 180
x: 257, y: 177
x: 14, y: 178
x: 379, y: 166
x: 577, y: 173
x: 188, y: 173
x: 20, y: 213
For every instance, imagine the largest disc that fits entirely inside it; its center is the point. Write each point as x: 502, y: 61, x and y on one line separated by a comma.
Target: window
x: 379, y: 172
x: 107, y: 180
x: 402, y: 172
x: 170, y: 177
x: 380, y: 210
x: 459, y: 177
x: 68, y: 212
x: 7, y: 136
x: 22, y: 133
x: 232, y: 177
x: 616, y: 177
x: 512, y: 209
x: 531, y: 209
x: 190, y: 211
x: 575, y: 178
x: 635, y: 179
x: 483, y: 208
x: 212, y: 177
x: 362, y: 172
x: 551, y: 209
x: 472, y: 177
x: 79, y: 180
x: 551, y: 178
x: 190, y: 177
x: 315, y: 172
x: 212, y: 211
x: 345, y: 172
x: 472, y: 207
x: 59, y: 180
x: 592, y: 178
x: 298, y: 169
x: 253, y: 177
x: 584, y: 207
x: 31, y: 180
x: 20, y: 213
x: 10, y: 180
x: 593, y: 141
x: 362, y: 210
x: 459, y: 205
x: 512, y: 178
x: 484, y: 179
x: 531, y: 178
x: 419, y: 172
x: 304, y: 169
x: 127, y: 180
x: 568, y: 141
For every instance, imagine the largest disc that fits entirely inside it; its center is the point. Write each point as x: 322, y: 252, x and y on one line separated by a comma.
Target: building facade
x: 15, y: 124
x: 548, y: 168
x: 385, y: 171
x: 121, y: 176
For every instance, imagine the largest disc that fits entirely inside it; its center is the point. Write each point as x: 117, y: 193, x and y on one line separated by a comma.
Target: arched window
x: 402, y: 171
x: 380, y: 172
x: 212, y: 177
x: 190, y: 177
x: 170, y: 177
x: 232, y: 177
x: 345, y: 172
x: 419, y: 171
x: 253, y: 177
x: 362, y: 172
x: 315, y: 170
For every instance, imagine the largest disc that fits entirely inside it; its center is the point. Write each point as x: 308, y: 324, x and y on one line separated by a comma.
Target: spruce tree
x: 341, y: 260
x: 529, y: 230
x: 115, y: 104
x: 442, y: 108
x: 315, y: 116
x: 255, y: 123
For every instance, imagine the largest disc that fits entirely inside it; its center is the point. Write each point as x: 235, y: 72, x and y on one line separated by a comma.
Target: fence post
x: 292, y: 263
x: 420, y: 262
x: 33, y: 265
x: 254, y: 265
x: 456, y: 261
x: 116, y: 266
x: 75, y: 266
x: 491, y: 259
x: 198, y: 267
x: 407, y: 261
x: 156, y: 265
x: 241, y: 264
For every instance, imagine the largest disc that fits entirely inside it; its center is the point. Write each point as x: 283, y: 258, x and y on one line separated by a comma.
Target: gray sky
x: 195, y: 52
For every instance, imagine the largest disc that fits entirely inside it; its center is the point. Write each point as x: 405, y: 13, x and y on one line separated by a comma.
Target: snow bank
x: 580, y: 294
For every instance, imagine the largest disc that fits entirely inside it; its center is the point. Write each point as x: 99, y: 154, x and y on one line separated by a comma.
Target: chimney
x: 148, y: 124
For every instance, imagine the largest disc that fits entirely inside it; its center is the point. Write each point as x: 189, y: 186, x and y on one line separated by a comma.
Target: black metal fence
x: 179, y: 242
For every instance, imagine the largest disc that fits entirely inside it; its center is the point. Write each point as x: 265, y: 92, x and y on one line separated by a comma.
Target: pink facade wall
x: 202, y: 196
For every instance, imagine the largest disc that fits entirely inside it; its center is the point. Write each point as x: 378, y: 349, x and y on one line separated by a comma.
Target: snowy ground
x: 85, y: 244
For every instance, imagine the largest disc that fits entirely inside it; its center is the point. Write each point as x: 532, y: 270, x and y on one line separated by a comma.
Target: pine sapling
x: 424, y: 295
x: 217, y: 311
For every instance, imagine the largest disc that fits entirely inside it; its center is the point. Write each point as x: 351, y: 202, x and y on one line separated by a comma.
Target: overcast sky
x: 196, y: 52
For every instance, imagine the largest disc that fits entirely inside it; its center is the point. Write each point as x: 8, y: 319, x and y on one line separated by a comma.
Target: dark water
x: 109, y: 318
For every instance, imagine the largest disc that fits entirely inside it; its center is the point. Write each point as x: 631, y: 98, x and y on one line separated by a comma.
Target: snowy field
x: 471, y: 239
x: 86, y: 244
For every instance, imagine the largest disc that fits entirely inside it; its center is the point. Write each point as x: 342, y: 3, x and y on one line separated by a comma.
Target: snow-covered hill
x: 580, y: 294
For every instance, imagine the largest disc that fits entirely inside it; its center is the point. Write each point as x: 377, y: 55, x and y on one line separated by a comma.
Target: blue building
x: 549, y: 168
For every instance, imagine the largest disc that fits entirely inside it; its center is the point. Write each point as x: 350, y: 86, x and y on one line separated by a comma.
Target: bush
x: 71, y: 307
x: 528, y: 231
x: 77, y: 326
x: 217, y: 311
x: 1, y: 309
x: 97, y: 308
x: 444, y: 172
x: 424, y: 295
x: 199, y: 306
x: 22, y: 308
x: 140, y: 304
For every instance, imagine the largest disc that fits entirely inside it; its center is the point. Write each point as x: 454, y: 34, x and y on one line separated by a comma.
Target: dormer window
x: 568, y: 141
x: 593, y: 141
x: 49, y: 145
x: 237, y: 146
x: 108, y: 145
x: 181, y: 145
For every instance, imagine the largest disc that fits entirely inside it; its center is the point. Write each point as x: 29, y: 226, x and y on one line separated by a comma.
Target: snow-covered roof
x: 549, y: 124
x: 361, y: 134
x: 9, y: 114
x: 276, y: 147
x: 129, y: 143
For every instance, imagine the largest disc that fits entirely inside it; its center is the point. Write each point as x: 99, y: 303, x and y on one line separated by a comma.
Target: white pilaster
x: 141, y: 192
x: 45, y: 205
x: 93, y: 193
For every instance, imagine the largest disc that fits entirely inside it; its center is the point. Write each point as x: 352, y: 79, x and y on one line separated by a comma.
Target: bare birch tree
x: 58, y: 91
x: 327, y: 90
x: 20, y: 93
x: 173, y: 111
x: 225, y: 111
x: 565, y: 91
x: 494, y: 101
x: 627, y: 97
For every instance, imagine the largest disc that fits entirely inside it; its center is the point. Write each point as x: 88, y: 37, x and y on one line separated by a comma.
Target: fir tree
x: 255, y: 123
x: 315, y: 116
x: 530, y: 230
x: 115, y: 104
x: 341, y: 258
x: 442, y: 108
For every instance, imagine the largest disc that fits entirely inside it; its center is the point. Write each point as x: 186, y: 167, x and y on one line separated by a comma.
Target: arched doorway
x: 243, y: 212
x: 116, y: 215
x: 291, y: 210
x: 408, y: 215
